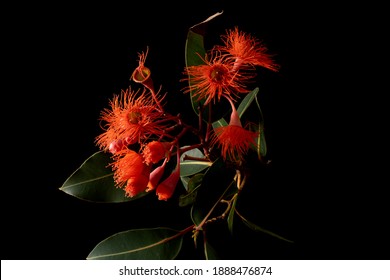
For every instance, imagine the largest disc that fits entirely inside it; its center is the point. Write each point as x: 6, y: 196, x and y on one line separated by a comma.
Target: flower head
x: 130, y: 172
x: 233, y: 139
x: 245, y: 49
x: 155, y: 151
x: 132, y: 118
x: 213, y: 79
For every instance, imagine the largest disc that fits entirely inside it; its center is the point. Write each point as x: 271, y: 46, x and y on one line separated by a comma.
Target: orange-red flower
x: 131, y: 172
x: 132, y: 118
x: 136, y: 185
x: 155, y: 151
x: 155, y: 176
x: 234, y: 140
x: 213, y: 79
x: 247, y: 50
x: 166, y: 188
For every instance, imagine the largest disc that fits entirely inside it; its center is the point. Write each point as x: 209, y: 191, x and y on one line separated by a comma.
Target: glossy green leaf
x: 93, y: 181
x: 247, y: 101
x: 261, y: 143
x: 192, y: 187
x: 189, y: 165
x: 139, y: 244
x: 230, y: 217
x: 220, y: 122
x: 209, y: 252
x: 258, y: 228
x: 195, y: 53
x: 216, y: 182
x: 184, y: 181
x: 193, y: 153
x: 195, y: 182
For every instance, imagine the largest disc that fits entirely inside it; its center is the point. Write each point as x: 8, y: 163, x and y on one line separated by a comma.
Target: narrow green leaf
x: 261, y: 112
x: 195, y: 53
x: 230, y: 218
x: 216, y: 182
x: 184, y: 181
x: 189, y: 198
x: 209, y: 252
x: 262, y: 150
x: 93, y: 181
x: 191, y: 167
x: 191, y: 153
x: 258, y: 228
x: 192, y: 187
x: 195, y: 182
x: 247, y: 101
x: 139, y: 244
x: 262, y: 145
x: 220, y: 122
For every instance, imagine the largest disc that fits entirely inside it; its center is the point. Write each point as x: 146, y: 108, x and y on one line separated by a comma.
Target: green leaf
x: 195, y: 182
x: 258, y: 228
x: 262, y: 152
x: 191, y: 153
x: 139, y: 244
x: 195, y: 53
x: 230, y: 218
x: 192, y: 187
x: 209, y: 252
x: 190, y: 166
x: 93, y: 181
x: 247, y: 101
x: 216, y: 182
x: 184, y: 181
x: 261, y: 145
x: 220, y: 122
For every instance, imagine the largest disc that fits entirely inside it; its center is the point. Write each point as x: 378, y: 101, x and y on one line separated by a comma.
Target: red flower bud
x: 155, y: 177
x: 166, y: 188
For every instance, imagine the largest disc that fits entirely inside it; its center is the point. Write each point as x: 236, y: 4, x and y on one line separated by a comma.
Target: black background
x: 63, y: 63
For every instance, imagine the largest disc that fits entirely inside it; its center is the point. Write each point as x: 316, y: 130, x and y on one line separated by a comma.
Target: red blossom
x: 132, y: 118
x: 130, y: 172
x: 213, y: 79
x: 234, y: 140
x: 155, y: 151
x: 246, y: 50
x: 138, y: 184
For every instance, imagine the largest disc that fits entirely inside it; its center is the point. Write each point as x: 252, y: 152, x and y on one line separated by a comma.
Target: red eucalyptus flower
x: 132, y: 118
x: 233, y: 139
x: 245, y: 49
x: 213, y: 79
x: 130, y: 172
x: 155, y: 151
